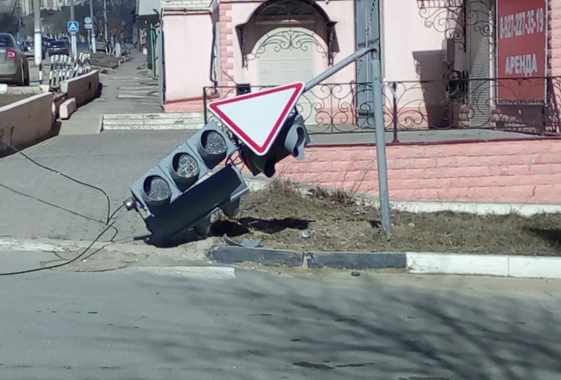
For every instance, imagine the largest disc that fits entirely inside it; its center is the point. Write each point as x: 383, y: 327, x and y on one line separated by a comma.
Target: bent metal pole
x: 378, y: 111
x: 338, y: 67
x: 377, y: 90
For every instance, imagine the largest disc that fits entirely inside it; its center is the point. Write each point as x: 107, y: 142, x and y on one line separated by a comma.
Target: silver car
x: 14, y: 67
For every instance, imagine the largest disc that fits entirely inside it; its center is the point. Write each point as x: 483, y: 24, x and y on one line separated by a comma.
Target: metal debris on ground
x: 305, y: 234
x: 245, y: 243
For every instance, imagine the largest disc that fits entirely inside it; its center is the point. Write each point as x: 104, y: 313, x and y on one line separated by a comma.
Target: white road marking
x: 206, y: 272
x: 7, y: 244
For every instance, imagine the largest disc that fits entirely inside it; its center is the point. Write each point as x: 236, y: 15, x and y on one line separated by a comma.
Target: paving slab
x: 37, y: 203
x: 114, y: 99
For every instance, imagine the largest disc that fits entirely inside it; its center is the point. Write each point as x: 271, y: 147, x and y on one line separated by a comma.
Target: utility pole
x: 92, y: 30
x: 73, y: 35
x: 18, y: 12
x: 37, y: 46
x: 105, y: 18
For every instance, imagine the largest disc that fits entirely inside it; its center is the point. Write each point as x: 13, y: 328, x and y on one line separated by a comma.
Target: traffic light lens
x: 186, y: 166
x: 156, y: 189
x: 214, y: 143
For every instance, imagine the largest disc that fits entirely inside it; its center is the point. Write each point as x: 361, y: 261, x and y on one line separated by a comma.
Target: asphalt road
x: 164, y: 323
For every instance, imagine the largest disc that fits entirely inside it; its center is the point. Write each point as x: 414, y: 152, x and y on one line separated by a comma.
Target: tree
x: 8, y: 23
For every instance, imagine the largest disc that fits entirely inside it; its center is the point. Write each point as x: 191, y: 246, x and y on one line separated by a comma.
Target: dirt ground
x: 6, y: 99
x: 337, y: 222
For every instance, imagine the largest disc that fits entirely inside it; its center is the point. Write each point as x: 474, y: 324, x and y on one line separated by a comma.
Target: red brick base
x: 521, y: 171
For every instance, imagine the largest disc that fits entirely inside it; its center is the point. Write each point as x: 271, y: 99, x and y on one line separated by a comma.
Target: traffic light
x: 181, y: 169
x: 181, y: 192
x: 194, y: 208
x: 291, y: 140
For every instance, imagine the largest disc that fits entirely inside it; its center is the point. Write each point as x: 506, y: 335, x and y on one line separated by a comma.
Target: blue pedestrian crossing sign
x: 73, y: 27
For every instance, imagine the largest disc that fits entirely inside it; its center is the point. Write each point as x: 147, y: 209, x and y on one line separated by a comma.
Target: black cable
x: 52, y: 204
x: 114, y: 212
x: 61, y: 264
x: 65, y: 176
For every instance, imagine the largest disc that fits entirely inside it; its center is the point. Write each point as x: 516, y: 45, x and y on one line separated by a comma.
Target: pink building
x: 251, y: 42
x: 440, y: 58
x: 487, y: 67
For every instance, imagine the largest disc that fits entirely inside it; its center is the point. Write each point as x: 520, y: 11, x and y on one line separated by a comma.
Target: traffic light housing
x: 181, y: 192
x: 193, y: 210
x: 185, y: 166
x: 291, y: 140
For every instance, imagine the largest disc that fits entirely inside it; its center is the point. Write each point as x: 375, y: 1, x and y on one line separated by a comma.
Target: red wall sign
x: 522, y: 37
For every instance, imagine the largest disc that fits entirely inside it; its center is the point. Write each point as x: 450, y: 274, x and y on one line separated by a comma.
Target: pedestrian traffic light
x: 291, y: 140
x: 181, y: 192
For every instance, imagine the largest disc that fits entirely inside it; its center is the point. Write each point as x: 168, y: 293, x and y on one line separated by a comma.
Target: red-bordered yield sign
x: 258, y: 117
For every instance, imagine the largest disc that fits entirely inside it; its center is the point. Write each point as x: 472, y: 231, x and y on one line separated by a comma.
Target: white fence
x: 64, y: 67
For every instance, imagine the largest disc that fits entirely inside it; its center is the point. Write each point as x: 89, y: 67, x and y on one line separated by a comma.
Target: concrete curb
x: 267, y: 257
x: 412, y: 262
x: 189, y: 251
x: 360, y: 261
x: 487, y: 265
x: 26, y: 121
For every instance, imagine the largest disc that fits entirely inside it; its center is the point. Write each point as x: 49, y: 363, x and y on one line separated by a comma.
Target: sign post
x: 73, y: 27
x: 522, y: 50
x: 378, y: 103
x: 88, y: 25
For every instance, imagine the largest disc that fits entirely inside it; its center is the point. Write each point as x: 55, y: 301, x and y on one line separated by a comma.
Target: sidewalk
x: 110, y: 160
x: 125, y: 90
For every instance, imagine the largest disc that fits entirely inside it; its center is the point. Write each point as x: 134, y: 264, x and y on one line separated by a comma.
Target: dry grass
x: 338, y: 222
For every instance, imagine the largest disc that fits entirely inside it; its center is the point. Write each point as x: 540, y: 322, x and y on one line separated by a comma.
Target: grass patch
x: 339, y: 222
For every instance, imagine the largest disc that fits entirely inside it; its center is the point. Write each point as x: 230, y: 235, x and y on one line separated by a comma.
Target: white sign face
x: 88, y: 20
x: 258, y: 117
x: 88, y: 26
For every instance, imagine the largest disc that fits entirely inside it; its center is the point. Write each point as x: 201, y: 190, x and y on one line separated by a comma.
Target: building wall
x: 188, y: 44
x: 226, y: 43
x: 554, y: 45
x: 188, y: 34
x: 235, y: 13
x: 524, y: 171
x: 411, y: 50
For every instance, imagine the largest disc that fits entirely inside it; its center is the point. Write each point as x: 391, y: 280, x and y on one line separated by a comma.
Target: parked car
x: 14, y: 67
x: 46, y: 42
x: 100, y: 44
x: 59, y: 48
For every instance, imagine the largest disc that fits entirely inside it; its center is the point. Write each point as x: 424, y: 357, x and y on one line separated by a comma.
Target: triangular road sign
x: 258, y: 117
x: 73, y: 26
